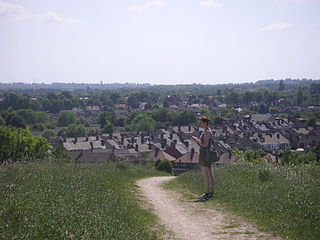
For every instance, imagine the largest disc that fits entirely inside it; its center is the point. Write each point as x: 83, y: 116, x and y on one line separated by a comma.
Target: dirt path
x: 188, y: 220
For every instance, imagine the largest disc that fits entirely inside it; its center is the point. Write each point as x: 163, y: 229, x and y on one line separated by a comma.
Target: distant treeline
x: 179, y: 88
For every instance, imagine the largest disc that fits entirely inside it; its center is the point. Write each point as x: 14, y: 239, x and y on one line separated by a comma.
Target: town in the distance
x: 268, y: 120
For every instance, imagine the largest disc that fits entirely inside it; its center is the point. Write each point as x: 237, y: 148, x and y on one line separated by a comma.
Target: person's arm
x: 205, y: 142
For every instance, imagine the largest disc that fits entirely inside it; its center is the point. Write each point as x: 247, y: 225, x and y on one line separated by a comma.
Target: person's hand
x: 195, y: 139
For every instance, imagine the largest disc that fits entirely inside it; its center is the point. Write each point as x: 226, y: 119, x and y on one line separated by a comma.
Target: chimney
x: 149, y: 146
x: 173, y: 144
x: 179, y: 128
x: 136, y: 148
x: 75, y: 140
x: 171, y: 136
x: 97, y: 138
x: 165, y: 141
x: 91, y: 146
x: 192, y: 154
x: 189, y: 128
x: 162, y: 145
x: 161, y: 136
x: 87, y: 139
x: 102, y: 142
x: 110, y: 135
x: 278, y: 135
x: 156, y: 151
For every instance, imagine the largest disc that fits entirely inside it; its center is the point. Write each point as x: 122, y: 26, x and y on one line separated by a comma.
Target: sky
x: 158, y: 41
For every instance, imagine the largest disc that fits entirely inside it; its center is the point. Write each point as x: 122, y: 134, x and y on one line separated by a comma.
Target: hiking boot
x: 205, y: 197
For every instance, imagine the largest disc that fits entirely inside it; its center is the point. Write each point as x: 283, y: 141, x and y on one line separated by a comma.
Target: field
x: 68, y: 201
x: 279, y: 199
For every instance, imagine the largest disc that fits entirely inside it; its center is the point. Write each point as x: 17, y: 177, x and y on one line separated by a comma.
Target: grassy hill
x: 73, y: 201
x: 280, y: 199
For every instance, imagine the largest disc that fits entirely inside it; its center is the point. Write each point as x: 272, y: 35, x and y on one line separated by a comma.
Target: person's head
x: 204, y: 122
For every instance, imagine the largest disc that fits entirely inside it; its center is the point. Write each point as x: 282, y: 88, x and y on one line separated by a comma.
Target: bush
x: 20, y: 145
x: 66, y: 118
x: 48, y: 133
x: 157, y: 162
x: 39, y: 127
x: 72, y: 131
x: 164, y: 165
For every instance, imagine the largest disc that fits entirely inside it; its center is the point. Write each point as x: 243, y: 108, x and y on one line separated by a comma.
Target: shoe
x: 204, y: 197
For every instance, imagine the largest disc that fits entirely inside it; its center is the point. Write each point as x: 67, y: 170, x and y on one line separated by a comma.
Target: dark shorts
x: 202, y: 159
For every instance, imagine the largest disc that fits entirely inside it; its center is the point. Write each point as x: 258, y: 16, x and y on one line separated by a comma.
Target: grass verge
x: 73, y: 201
x: 282, y: 200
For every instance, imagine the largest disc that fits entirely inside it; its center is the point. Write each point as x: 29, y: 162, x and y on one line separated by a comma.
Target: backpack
x: 212, y: 154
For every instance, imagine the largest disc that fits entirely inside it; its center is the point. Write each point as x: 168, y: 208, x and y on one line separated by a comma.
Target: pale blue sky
x: 159, y: 41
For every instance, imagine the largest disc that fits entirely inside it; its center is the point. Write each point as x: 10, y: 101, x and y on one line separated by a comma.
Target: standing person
x: 205, y: 165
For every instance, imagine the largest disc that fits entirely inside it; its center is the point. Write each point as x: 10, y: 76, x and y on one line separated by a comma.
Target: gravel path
x: 198, y: 221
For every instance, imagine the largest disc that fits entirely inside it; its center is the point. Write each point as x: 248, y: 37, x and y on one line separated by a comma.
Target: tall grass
x: 68, y: 201
x: 283, y: 200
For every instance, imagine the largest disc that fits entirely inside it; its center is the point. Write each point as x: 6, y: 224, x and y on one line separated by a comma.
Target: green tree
x: 107, y: 116
x: 312, y: 121
x: 162, y: 115
x: 20, y: 145
x: 185, y: 118
x: 2, y: 121
x: 14, y: 101
x: 48, y: 133
x: 108, y: 128
x: 66, y: 118
x: 299, y: 97
x: 15, y: 120
x: 281, y: 86
x: 143, y: 123
x: 75, y: 131
x: 317, y: 152
x: 35, y: 105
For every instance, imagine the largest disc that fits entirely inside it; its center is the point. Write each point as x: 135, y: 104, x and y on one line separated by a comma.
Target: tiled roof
x: 186, y: 158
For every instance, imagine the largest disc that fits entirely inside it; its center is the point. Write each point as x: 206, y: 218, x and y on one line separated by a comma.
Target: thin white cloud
x: 290, y: 1
x: 210, y: 3
x: 15, y: 12
x: 277, y: 27
x: 146, y: 6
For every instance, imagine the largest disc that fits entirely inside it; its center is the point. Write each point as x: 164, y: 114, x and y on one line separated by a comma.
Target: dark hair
x: 205, y: 120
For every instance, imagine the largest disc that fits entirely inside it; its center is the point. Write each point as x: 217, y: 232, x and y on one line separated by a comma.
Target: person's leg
x: 211, y: 179
x: 204, y: 172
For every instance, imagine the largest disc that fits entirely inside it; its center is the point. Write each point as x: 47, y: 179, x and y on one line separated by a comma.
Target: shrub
x: 164, y: 165
x: 19, y: 145
x: 48, y: 133
x: 157, y: 162
x: 66, y: 118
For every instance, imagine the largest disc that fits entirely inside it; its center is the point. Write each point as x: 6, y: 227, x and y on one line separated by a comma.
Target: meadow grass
x: 73, y: 201
x: 284, y: 200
